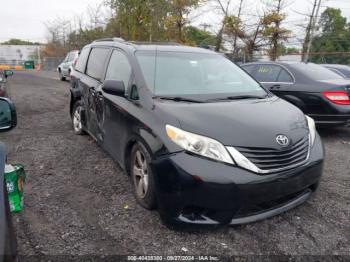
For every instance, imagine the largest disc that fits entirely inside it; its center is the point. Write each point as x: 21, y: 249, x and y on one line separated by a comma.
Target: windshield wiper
x: 178, y: 99
x: 238, y: 97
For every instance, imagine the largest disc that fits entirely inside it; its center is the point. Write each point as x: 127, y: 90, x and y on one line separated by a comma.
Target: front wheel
x: 142, y: 177
x: 77, y: 119
x: 61, y: 76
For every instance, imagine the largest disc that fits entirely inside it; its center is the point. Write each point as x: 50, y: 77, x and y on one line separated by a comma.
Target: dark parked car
x: 198, y: 136
x: 4, y: 74
x: 342, y: 70
x: 317, y: 91
x: 8, y: 120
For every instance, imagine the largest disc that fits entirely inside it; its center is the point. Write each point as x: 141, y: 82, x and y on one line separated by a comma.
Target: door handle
x: 275, y: 87
x: 99, y: 94
x: 93, y: 91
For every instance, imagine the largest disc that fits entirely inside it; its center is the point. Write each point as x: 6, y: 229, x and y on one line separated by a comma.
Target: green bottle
x: 15, y: 178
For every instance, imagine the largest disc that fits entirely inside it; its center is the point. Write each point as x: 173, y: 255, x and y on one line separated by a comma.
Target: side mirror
x: 8, y: 73
x: 114, y: 87
x: 8, y: 116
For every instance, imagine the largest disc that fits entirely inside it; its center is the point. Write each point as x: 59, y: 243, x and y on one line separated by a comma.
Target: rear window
x: 315, y: 72
x: 81, y: 63
x: 96, y: 63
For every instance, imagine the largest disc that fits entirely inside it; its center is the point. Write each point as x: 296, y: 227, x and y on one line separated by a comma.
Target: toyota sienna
x: 201, y: 140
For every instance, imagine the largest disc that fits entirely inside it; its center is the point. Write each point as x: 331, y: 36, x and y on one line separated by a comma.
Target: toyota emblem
x: 282, y: 140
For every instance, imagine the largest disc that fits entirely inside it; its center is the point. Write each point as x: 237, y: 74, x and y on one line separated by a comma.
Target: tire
x: 142, y: 177
x: 76, y: 119
x: 61, y: 76
x: 11, y: 242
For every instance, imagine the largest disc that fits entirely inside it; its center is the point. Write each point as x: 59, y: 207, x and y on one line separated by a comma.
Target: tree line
x: 245, y: 27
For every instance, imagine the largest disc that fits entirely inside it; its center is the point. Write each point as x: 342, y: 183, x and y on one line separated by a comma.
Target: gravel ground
x: 79, y: 202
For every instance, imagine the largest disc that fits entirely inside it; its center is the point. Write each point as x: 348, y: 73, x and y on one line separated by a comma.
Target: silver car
x: 66, y: 67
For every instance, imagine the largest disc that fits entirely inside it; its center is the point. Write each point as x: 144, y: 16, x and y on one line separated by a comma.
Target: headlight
x: 312, y: 128
x: 199, y: 145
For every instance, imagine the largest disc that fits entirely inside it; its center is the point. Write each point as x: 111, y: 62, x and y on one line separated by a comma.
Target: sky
x: 25, y: 19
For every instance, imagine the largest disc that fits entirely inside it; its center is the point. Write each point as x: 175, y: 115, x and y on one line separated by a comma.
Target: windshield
x: 204, y: 76
x: 316, y: 72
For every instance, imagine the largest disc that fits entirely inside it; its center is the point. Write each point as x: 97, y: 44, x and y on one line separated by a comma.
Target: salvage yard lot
x: 79, y: 202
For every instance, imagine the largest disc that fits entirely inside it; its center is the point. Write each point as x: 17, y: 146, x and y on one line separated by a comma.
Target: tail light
x: 337, y: 97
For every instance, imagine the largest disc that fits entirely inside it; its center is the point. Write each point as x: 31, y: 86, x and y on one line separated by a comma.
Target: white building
x: 16, y: 54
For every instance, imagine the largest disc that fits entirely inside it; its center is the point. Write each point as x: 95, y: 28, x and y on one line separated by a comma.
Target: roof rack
x: 113, y: 39
x: 153, y: 43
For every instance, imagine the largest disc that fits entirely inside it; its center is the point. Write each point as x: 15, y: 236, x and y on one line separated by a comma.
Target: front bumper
x: 194, y: 190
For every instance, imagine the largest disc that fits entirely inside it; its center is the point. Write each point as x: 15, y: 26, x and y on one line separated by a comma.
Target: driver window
x: 119, y: 68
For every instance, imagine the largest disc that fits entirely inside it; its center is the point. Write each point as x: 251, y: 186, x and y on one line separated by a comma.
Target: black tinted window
x: 315, y: 72
x: 284, y: 76
x: 81, y: 63
x: 249, y: 68
x: 267, y: 73
x: 119, y: 68
x: 96, y: 62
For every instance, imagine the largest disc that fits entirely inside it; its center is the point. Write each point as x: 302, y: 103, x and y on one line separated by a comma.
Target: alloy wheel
x: 77, y: 125
x: 140, y: 174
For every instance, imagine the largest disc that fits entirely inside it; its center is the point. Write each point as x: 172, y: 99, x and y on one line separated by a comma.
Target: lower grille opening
x: 195, y: 213
x: 252, y: 209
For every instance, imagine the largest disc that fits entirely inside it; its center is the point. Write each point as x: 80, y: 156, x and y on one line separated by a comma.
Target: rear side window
x: 249, y: 68
x: 96, y: 63
x: 267, y: 73
x: 285, y: 77
x: 81, y: 63
x: 119, y: 68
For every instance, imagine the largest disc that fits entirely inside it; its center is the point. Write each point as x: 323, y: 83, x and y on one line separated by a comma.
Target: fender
x: 153, y: 144
x: 295, y: 101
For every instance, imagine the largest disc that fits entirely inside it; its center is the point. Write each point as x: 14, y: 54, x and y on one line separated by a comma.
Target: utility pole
x: 205, y: 26
x: 235, y: 51
x: 308, y: 30
x: 312, y: 32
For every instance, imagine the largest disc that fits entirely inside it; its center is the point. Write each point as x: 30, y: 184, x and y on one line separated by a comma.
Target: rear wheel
x: 77, y: 119
x: 142, y: 177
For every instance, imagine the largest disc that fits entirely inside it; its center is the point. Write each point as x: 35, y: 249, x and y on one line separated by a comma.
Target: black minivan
x: 200, y: 139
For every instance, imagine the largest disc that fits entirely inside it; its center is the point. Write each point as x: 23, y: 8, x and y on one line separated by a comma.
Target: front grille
x: 268, y: 159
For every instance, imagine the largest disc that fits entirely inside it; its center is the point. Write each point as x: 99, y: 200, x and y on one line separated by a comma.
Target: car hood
x: 248, y: 123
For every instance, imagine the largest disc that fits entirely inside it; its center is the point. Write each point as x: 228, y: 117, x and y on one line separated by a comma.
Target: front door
x: 114, y: 119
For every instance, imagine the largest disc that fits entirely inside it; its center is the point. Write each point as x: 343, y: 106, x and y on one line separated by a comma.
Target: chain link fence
x: 51, y: 63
